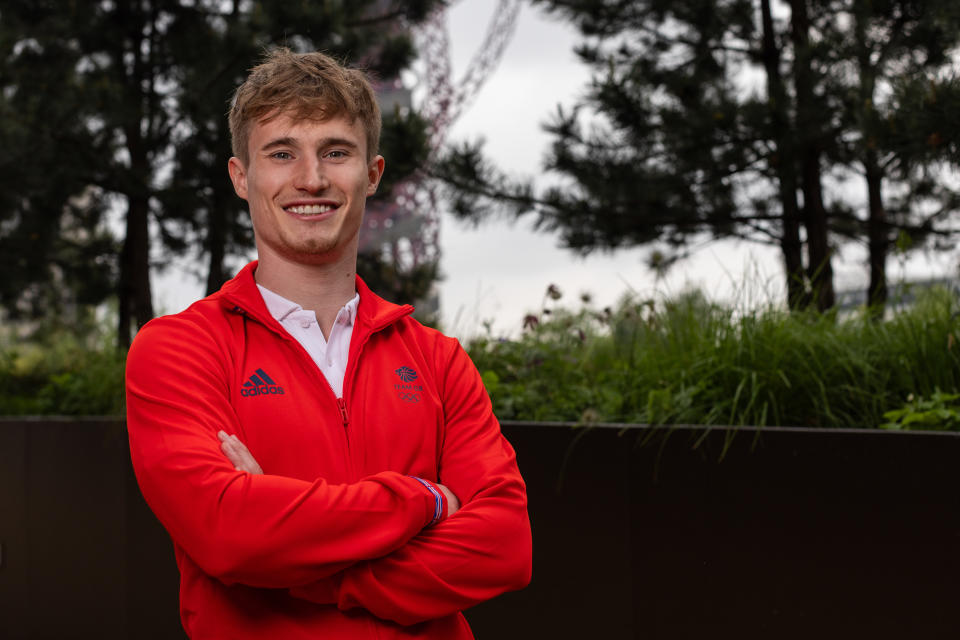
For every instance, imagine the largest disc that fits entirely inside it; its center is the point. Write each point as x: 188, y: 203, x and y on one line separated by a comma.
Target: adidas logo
x: 260, y: 384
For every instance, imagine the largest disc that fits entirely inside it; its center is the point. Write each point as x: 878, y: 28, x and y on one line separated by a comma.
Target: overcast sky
x: 499, y: 271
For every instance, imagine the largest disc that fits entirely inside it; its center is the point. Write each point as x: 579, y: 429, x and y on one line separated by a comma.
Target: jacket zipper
x: 341, y: 403
x: 348, y: 373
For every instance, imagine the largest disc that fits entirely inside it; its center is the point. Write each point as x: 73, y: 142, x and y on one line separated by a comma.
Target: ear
x: 238, y: 175
x: 374, y: 173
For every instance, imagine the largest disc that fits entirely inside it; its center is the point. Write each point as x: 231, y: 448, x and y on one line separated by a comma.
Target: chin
x: 313, y: 253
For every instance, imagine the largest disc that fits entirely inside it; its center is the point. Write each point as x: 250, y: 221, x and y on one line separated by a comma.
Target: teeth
x: 310, y: 209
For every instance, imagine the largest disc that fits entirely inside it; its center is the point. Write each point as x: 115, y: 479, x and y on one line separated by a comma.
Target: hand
x: 238, y: 454
x: 453, y: 504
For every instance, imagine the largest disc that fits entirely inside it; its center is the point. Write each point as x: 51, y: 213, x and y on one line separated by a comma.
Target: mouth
x: 308, y: 210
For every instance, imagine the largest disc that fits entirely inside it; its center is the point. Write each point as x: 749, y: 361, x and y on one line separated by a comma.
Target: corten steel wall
x: 794, y: 534
x: 83, y: 556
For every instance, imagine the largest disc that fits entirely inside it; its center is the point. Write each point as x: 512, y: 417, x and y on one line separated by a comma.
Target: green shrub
x: 682, y: 361
x: 693, y: 361
x: 63, y: 373
x: 940, y: 413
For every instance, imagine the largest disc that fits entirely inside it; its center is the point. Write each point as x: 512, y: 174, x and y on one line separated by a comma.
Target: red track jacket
x: 333, y: 540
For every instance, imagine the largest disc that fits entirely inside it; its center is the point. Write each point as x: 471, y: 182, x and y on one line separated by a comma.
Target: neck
x: 322, y: 288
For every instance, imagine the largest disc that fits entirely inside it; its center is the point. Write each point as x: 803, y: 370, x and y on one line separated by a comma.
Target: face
x: 306, y: 183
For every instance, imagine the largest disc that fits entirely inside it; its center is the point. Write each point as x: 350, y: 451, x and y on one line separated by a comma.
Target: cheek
x: 264, y: 183
x: 363, y: 182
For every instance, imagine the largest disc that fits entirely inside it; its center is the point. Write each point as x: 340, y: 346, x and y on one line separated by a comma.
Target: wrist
x: 439, y: 501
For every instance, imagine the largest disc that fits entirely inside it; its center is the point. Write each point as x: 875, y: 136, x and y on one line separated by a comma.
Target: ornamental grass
x: 692, y: 361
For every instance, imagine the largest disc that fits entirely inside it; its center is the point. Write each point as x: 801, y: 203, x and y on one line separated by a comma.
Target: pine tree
x: 890, y: 58
x: 124, y: 104
x: 52, y: 253
x: 722, y: 118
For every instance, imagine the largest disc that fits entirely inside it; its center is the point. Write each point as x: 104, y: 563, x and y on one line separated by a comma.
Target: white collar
x: 279, y: 307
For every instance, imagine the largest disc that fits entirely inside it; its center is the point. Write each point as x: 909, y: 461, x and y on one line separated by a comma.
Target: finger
x: 231, y: 452
x: 240, y: 448
x: 231, y: 446
x: 238, y: 454
x: 247, y: 462
x: 453, y: 503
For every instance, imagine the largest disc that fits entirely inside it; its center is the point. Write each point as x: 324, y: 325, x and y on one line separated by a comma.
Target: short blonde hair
x: 307, y: 86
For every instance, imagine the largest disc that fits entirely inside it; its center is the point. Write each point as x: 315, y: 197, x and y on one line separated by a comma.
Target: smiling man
x: 326, y: 466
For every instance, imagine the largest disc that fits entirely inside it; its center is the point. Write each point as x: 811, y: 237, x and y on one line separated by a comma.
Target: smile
x: 310, y: 209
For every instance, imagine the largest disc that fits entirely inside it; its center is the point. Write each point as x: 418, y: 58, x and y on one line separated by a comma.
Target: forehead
x: 306, y: 131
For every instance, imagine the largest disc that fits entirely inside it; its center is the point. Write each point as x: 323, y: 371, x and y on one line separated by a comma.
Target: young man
x: 326, y: 466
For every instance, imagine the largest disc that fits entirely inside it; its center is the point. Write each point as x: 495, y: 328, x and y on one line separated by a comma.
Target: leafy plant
x: 681, y: 361
x: 62, y: 371
x: 941, y: 412
x: 689, y: 360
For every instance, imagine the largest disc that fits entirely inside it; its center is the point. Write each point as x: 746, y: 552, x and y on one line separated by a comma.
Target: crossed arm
x: 461, y: 561
x: 241, y: 458
x: 365, y: 544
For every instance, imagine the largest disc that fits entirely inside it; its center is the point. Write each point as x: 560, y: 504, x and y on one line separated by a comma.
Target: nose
x: 310, y: 175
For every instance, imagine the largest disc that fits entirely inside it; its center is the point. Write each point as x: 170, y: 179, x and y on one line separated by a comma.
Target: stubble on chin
x: 312, y: 250
x: 309, y: 251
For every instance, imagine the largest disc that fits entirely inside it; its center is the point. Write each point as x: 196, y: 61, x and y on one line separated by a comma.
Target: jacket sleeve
x: 258, y: 530
x: 481, y: 551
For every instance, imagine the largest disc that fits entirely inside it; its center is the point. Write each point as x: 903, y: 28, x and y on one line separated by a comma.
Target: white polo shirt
x: 330, y: 355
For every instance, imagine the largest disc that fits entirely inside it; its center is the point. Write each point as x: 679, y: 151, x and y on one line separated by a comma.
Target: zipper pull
x: 343, y: 411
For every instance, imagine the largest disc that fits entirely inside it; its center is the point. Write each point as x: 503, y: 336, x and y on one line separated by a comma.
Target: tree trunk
x: 809, y: 134
x: 877, y: 234
x: 819, y: 258
x: 790, y: 245
x: 136, y: 300
x: 216, y: 246
x: 879, y: 242
x: 135, y: 295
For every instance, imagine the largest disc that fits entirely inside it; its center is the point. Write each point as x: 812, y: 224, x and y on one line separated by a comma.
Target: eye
x: 281, y: 155
x: 336, y: 154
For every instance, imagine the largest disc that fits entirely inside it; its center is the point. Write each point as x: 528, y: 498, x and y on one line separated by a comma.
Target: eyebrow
x: 279, y: 142
x: 324, y: 142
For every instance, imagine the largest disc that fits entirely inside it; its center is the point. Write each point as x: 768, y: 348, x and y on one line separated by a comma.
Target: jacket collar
x: 240, y: 295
